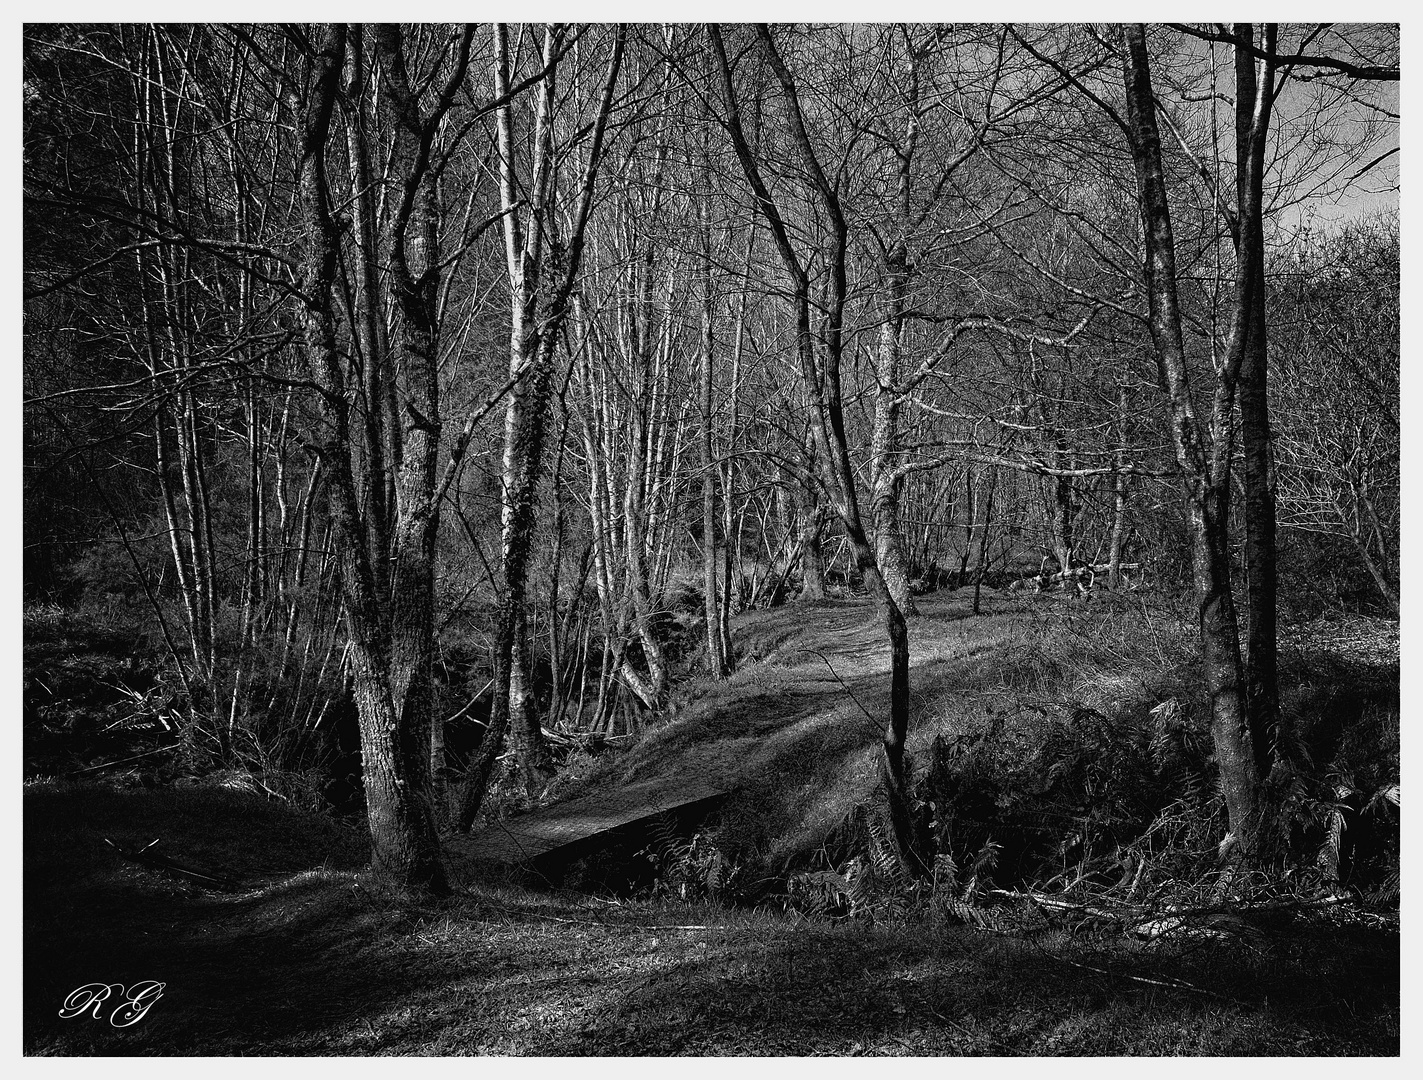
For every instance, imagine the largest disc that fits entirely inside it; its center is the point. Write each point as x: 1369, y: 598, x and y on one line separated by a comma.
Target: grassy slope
x: 309, y: 960
x: 799, y: 724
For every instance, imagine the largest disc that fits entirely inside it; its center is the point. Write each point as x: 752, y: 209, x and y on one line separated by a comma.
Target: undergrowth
x: 1076, y: 763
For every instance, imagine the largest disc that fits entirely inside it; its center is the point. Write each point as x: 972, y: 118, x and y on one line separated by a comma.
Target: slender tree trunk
x: 524, y: 436
x: 983, y: 543
x: 827, y: 412
x: 732, y: 521
x: 716, y: 657
x: 1207, y: 488
x: 1119, y: 493
x: 1253, y: 97
x: 367, y: 317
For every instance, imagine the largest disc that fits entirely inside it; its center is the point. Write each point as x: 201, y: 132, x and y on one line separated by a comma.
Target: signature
x: 127, y: 1007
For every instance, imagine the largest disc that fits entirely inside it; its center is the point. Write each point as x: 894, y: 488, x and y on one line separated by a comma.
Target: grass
x: 312, y: 960
x: 799, y: 723
x: 309, y: 957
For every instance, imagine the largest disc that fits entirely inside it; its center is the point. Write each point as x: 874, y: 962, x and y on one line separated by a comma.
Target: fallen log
x: 1046, y: 582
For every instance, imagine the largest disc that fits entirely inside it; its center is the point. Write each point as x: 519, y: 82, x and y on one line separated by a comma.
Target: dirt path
x: 794, y: 734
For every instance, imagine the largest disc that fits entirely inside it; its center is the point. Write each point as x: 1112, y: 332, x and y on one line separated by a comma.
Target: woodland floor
x: 307, y: 958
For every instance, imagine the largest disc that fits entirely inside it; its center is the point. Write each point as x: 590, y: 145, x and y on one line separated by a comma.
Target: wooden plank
x: 545, y: 833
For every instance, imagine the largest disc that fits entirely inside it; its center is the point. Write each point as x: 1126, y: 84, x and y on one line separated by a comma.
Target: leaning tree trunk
x: 827, y: 421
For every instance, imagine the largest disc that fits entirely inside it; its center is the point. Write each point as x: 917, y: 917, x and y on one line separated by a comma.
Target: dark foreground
x: 305, y: 959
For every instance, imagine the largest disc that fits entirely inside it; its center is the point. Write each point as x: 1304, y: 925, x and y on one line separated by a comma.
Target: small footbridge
x: 545, y: 841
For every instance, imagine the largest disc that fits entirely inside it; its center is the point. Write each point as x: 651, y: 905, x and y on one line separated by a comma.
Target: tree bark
x: 886, y: 483
x: 526, y: 425
x: 391, y: 694
x: 716, y: 656
x: 1119, y: 493
x: 1253, y: 98
x: 1206, y: 477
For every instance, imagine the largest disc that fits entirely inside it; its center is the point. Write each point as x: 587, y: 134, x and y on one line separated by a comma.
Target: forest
x: 970, y: 452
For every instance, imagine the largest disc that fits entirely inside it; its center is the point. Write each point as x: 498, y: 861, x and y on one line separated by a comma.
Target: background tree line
x: 762, y: 310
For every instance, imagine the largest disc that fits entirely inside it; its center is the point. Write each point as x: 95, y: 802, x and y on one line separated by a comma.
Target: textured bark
x: 1206, y: 478
x: 733, y: 521
x: 983, y: 543
x: 389, y: 645
x: 716, y: 655
x: 1064, y: 516
x: 885, y: 482
x: 1119, y: 495
x: 367, y: 318
x: 810, y: 520
x: 526, y: 418
x: 534, y: 338
x: 1253, y: 97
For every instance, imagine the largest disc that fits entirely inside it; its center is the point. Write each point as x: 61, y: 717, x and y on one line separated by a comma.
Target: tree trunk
x: 1253, y: 97
x: 716, y: 656
x: 389, y: 672
x: 1119, y: 494
x: 983, y: 544
x: 885, y: 481
x: 1207, y: 488
x: 827, y: 413
x: 367, y: 318
x: 533, y: 341
x: 810, y: 520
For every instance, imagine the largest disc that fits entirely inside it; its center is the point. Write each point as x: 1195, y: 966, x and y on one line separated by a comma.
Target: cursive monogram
x: 128, y: 1006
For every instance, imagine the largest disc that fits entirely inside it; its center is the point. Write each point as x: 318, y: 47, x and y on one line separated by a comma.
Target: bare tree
x: 390, y: 636
x: 821, y: 382
x: 534, y: 340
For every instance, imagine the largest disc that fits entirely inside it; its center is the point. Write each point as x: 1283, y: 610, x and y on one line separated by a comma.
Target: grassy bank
x: 1047, y: 737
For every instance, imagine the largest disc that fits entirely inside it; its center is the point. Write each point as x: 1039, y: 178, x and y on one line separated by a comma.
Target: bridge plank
x: 544, y: 835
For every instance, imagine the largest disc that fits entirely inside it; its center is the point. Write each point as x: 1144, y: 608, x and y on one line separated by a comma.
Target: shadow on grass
x: 314, y: 963
x: 952, y: 992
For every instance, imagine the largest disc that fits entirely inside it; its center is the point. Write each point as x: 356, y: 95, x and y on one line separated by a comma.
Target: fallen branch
x: 121, y: 761
x: 146, y: 857
x: 1169, y: 983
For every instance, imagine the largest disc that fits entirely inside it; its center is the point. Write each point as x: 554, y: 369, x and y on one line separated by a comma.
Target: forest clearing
x: 612, y: 538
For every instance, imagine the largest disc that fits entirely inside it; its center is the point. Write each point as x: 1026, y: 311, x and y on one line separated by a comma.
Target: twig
x: 971, y: 1035
x: 845, y: 686
x: 1169, y: 983
x: 162, y: 862
x: 120, y: 761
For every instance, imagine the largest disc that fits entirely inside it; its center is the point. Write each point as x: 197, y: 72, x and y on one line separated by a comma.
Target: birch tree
x: 543, y: 263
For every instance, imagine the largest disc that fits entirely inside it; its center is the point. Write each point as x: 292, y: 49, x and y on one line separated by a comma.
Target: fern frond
x: 1389, y: 793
